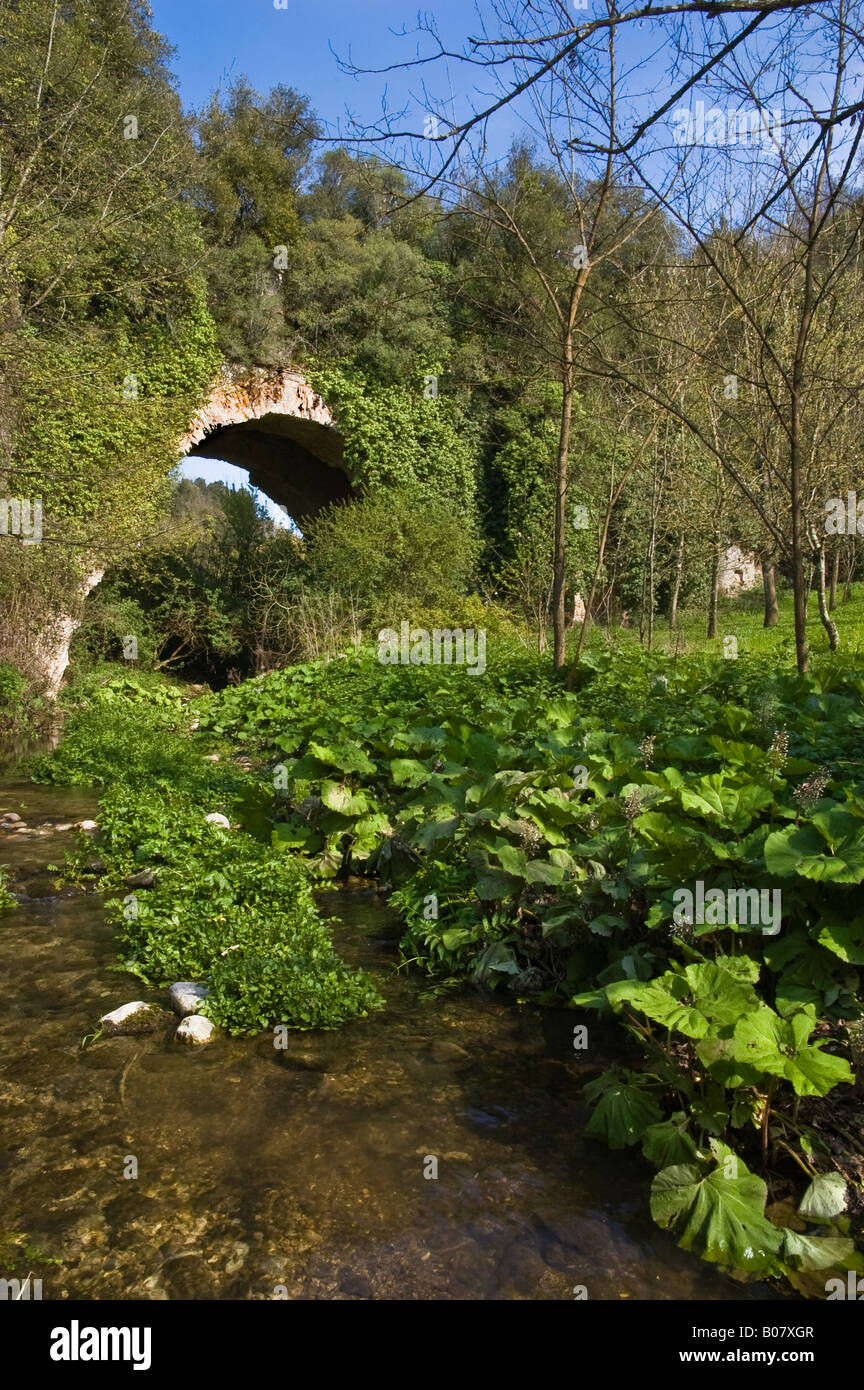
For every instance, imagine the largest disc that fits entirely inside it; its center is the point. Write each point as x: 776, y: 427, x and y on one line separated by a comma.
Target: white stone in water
x: 10, y: 818
x: 137, y: 1017
x: 87, y: 825
x: 216, y: 818
x: 195, y: 1030
x: 187, y: 997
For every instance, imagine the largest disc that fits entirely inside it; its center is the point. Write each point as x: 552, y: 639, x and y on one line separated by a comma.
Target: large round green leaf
x: 721, y: 1218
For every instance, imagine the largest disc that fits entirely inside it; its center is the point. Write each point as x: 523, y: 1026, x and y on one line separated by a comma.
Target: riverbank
x: 300, y: 1172
x: 532, y: 844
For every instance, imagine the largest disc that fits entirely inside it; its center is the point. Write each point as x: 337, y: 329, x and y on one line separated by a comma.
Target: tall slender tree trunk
x: 799, y: 588
x: 769, y: 590
x: 835, y: 577
x: 609, y: 601
x: 649, y: 571
x: 589, y: 602
x: 714, y: 593
x: 676, y: 588
x: 827, y: 621
x: 652, y: 550
x: 559, y: 560
x: 850, y: 568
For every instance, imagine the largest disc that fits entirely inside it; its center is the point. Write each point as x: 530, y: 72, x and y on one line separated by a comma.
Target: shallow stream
x: 266, y: 1173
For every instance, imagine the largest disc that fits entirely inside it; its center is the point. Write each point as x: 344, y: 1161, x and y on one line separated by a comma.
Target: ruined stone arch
x: 274, y: 425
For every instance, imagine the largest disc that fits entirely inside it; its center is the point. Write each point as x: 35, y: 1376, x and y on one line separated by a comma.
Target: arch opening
x: 280, y: 432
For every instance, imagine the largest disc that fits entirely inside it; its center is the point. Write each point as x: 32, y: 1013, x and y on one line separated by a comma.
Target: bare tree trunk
x: 714, y: 593
x: 676, y: 589
x: 650, y: 615
x: 559, y: 559
x: 609, y: 601
x: 769, y: 590
x: 589, y: 602
x: 543, y: 622
x: 648, y: 583
x: 850, y: 569
x: 658, y: 480
x: 799, y: 595
x: 799, y: 592
x: 835, y: 576
x: 827, y: 621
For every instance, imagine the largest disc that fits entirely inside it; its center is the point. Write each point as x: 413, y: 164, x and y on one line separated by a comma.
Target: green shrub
x: 250, y: 992
x: 13, y: 687
x: 401, y: 549
x: 225, y: 908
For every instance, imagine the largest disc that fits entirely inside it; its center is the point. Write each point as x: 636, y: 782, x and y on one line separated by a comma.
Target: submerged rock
x: 195, y: 1031
x: 187, y: 997
x: 440, y: 1051
x: 129, y: 1019
x: 302, y: 1061
x: 37, y: 885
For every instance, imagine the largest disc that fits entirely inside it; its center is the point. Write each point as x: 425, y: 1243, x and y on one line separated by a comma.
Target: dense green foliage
x: 537, y: 839
x: 106, y: 343
x: 397, y: 437
x: 225, y: 907
x: 223, y: 591
x: 537, y: 834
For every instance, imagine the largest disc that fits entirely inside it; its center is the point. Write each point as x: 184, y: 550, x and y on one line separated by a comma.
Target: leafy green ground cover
x: 536, y: 840
x: 225, y: 907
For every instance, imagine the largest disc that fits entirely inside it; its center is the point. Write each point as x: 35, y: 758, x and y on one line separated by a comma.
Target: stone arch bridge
x: 276, y: 427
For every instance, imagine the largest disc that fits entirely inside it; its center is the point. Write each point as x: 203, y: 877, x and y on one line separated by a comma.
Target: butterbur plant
x: 646, y: 750
x: 462, y: 794
x: 779, y: 750
x: 724, y: 1077
x: 808, y: 793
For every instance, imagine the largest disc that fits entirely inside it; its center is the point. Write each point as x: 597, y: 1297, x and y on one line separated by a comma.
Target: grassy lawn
x: 741, y: 617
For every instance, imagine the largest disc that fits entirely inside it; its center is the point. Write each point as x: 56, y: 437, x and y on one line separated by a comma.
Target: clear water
x: 265, y: 1173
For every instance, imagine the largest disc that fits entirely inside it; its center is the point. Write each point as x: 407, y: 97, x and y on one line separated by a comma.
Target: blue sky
x: 220, y: 39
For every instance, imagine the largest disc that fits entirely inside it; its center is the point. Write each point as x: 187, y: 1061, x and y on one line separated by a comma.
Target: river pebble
x: 137, y: 1017
x: 187, y: 997
x: 195, y: 1031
